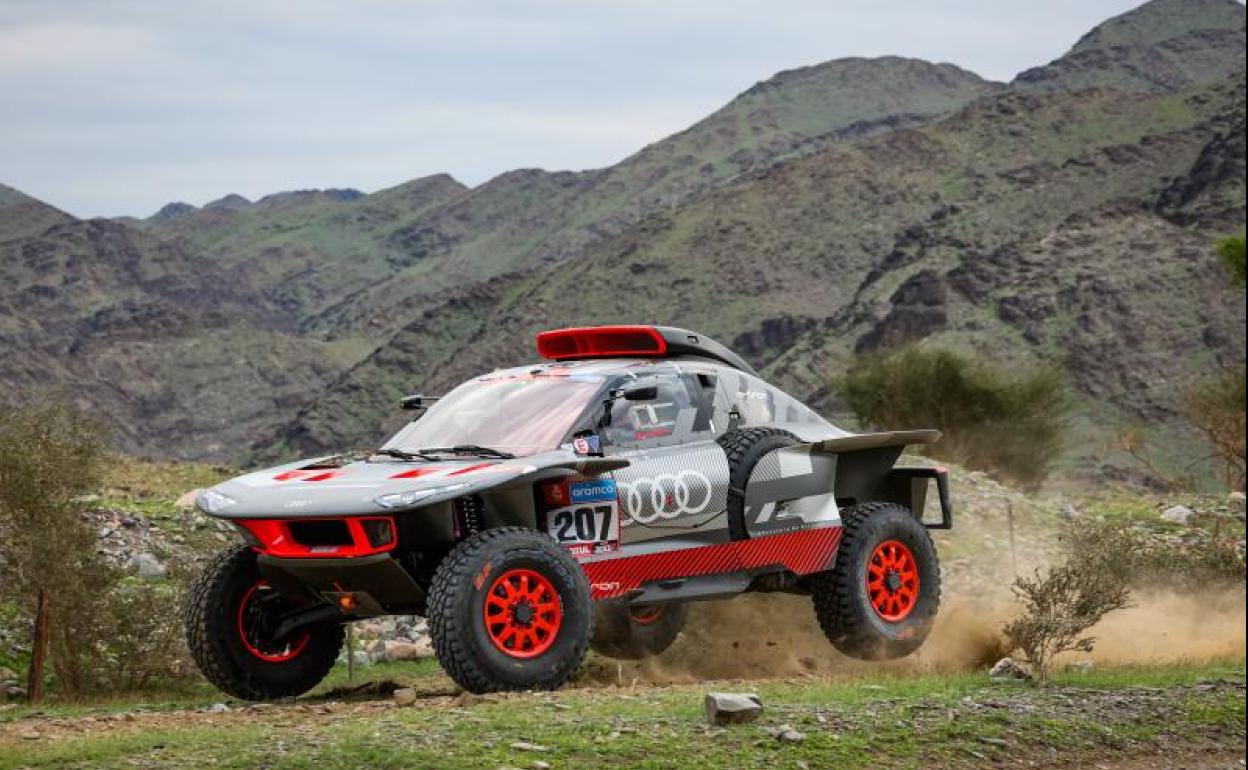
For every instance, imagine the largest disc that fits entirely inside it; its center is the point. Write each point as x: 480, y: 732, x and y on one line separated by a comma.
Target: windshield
x: 523, y: 415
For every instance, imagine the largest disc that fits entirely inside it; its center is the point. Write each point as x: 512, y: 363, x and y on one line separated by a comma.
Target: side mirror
x: 415, y: 403
x: 648, y: 393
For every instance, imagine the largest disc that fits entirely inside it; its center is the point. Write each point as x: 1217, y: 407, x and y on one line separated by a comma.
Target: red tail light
x: 601, y: 342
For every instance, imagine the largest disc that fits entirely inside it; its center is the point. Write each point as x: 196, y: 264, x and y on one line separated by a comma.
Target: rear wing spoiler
x: 858, y: 441
x: 865, y: 471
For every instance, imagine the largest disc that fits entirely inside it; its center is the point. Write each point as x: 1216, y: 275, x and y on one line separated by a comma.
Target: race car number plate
x: 591, y: 524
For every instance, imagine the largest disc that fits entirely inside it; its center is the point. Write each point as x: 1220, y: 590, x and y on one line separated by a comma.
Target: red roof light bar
x: 601, y: 342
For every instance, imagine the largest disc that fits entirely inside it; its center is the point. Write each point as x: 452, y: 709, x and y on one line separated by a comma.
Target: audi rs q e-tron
x: 583, y: 501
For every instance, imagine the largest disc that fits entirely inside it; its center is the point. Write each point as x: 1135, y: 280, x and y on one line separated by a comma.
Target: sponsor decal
x: 597, y: 491
x: 587, y: 445
x: 666, y: 496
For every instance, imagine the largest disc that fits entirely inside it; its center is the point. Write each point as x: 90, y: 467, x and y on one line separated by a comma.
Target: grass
x: 888, y: 721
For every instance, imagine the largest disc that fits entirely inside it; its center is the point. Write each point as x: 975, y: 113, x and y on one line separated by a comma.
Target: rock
x: 526, y: 746
x: 187, y: 501
x: 217, y: 708
x: 1008, y: 670
x: 1083, y: 665
x: 30, y: 735
x: 404, y: 696
x: 361, y: 658
x: 407, y: 650
x: 724, y: 708
x: 1179, y: 514
x: 147, y: 566
x: 786, y: 734
x: 468, y: 699
x: 538, y: 764
x: 1236, y: 497
x: 987, y: 741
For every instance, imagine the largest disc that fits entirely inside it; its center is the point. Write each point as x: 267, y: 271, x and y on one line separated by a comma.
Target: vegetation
x: 1216, y: 408
x: 954, y: 721
x: 105, y: 631
x: 1059, y: 606
x: 991, y: 419
x: 1231, y: 250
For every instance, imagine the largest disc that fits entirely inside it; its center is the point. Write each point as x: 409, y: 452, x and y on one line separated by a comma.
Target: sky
x: 116, y: 107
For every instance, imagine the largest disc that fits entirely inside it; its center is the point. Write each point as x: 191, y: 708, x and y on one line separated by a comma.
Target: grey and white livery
x: 582, y: 501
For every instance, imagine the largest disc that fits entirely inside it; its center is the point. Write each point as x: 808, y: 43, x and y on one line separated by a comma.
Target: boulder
x: 1009, y: 670
x: 724, y: 708
x: 1179, y: 514
x: 147, y: 566
x: 407, y: 650
x: 404, y: 696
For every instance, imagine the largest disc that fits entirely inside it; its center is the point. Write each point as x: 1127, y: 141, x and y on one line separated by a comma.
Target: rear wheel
x: 509, y: 609
x: 880, y: 600
x: 635, y: 632
x: 230, y: 613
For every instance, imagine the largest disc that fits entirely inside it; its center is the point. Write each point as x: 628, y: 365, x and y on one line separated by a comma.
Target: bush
x: 1216, y: 408
x: 1059, y: 606
x: 992, y: 420
x: 106, y: 632
x: 1231, y: 250
x: 1141, y: 559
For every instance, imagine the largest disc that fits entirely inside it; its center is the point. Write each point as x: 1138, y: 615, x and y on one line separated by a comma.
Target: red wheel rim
x: 250, y: 614
x: 522, y: 613
x: 893, y: 581
x: 644, y: 616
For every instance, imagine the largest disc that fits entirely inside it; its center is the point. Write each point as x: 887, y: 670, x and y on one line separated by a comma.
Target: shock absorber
x: 468, y: 512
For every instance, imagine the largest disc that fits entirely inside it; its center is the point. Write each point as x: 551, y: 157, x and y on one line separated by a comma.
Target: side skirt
x: 801, y: 552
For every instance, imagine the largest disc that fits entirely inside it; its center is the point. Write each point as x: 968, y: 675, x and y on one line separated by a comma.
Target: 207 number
x: 583, y: 525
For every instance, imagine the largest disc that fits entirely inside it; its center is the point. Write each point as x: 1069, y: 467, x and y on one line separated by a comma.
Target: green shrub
x: 1138, y: 558
x: 1231, y: 250
x: 1008, y: 422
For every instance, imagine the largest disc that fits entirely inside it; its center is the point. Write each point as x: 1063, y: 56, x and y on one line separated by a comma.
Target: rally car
x: 584, y: 501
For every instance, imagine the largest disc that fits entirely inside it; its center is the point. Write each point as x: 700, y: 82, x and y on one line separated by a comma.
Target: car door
x: 676, y: 484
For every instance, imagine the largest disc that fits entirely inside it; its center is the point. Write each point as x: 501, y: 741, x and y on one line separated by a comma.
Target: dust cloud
x: 775, y: 636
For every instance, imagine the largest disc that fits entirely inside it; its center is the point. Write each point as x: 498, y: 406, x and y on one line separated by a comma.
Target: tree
x: 51, y: 455
x: 992, y: 418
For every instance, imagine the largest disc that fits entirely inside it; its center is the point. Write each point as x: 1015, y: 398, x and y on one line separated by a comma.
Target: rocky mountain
x: 1164, y: 45
x: 1063, y: 220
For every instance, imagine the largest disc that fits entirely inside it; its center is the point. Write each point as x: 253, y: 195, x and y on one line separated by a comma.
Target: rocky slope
x: 1063, y: 220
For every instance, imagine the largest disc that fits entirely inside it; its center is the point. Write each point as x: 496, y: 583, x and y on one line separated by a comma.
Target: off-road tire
x: 456, y: 611
x: 214, y: 641
x: 842, y: 603
x: 744, y: 448
x: 620, y: 633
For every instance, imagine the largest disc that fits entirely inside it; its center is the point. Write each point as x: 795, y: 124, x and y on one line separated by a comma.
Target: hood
x: 333, y: 486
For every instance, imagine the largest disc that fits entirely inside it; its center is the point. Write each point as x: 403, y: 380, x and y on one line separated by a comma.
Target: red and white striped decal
x: 802, y: 553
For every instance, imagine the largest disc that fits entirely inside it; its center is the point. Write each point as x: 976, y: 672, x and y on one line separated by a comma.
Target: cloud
x: 117, y: 106
x: 61, y: 45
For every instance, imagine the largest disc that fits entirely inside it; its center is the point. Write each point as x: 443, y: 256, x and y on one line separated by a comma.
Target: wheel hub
x: 892, y: 581
x: 522, y: 613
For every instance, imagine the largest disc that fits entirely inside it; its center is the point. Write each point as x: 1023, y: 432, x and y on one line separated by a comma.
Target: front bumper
x: 363, y: 586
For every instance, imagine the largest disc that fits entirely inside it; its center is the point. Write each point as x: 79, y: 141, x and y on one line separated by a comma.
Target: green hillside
x: 1164, y: 45
x: 1064, y: 220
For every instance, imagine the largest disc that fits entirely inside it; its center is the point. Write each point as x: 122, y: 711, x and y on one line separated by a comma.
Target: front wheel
x: 879, y: 602
x: 509, y: 609
x: 229, y: 611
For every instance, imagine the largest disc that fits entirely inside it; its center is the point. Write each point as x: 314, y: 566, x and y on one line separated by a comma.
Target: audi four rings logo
x: 669, y: 495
